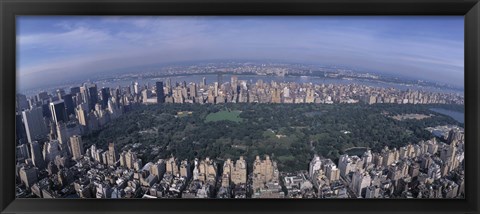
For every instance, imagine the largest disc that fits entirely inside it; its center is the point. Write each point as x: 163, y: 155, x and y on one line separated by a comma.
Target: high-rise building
x: 51, y: 150
x: 77, y: 146
x: 185, y: 169
x: 239, y: 173
x: 22, y: 152
x: 74, y: 90
x: 69, y: 105
x: 60, y: 93
x: 136, y: 88
x: 216, y: 84
x: 59, y: 114
x: 82, y: 114
x: 37, y: 157
x: 112, y: 155
x: 171, y: 166
x: 28, y: 175
x: 158, y: 169
x: 264, y: 171
x: 46, y: 110
x: 105, y: 96
x: 145, y: 95
x: 314, y: 167
x: 332, y: 172
x: 92, y: 96
x: 34, y: 124
x: 128, y: 159
x: 42, y: 96
x: 22, y: 102
x: 160, y: 92
x: 360, y: 181
x: 20, y: 132
x: 207, y: 170
x: 234, y: 83
x: 63, y: 137
x: 276, y: 95
x: 192, y: 91
x: 286, y: 92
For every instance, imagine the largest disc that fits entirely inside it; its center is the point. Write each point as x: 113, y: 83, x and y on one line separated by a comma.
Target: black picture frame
x: 9, y: 9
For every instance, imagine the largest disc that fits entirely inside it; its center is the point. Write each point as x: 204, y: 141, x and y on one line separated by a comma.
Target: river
x: 210, y: 78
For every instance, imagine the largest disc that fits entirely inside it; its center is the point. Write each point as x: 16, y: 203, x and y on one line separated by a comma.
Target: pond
x: 358, y: 151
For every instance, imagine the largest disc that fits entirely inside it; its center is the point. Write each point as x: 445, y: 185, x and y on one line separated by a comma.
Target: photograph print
x: 240, y: 107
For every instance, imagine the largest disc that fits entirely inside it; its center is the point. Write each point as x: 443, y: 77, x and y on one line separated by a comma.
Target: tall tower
x: 77, y: 146
x: 160, y: 92
x: 20, y: 132
x: 74, y: 90
x: 234, y: 83
x: 69, y: 105
x: 92, y: 96
x: 62, y: 137
x: 105, y: 96
x: 59, y: 114
x: 37, y: 157
x: 35, y: 126
x: 112, y: 154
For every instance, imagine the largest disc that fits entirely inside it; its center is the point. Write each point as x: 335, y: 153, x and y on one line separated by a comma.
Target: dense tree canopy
x: 291, y: 133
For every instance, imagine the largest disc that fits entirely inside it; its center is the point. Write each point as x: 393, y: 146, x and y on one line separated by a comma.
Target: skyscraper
x: 22, y: 152
x: 234, y: 83
x: 59, y: 114
x: 92, y: 96
x: 51, y: 150
x: 69, y: 105
x: 20, y: 132
x: 112, y: 155
x: 28, y: 175
x: 136, y: 88
x: 37, y: 157
x: 105, y: 96
x: 314, y: 167
x: 42, y: 96
x: 193, y: 90
x: 239, y: 173
x: 77, y: 146
x: 74, y: 90
x: 22, y: 102
x: 63, y: 136
x: 34, y: 124
x: 60, y: 93
x: 160, y: 92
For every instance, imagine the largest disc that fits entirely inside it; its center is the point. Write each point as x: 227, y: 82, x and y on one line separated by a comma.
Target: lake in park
x: 458, y: 116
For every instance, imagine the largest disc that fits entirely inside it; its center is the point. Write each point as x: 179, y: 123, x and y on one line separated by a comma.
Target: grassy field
x: 224, y: 115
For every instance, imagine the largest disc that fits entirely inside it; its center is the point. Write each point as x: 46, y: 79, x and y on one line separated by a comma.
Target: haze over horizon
x: 52, y: 49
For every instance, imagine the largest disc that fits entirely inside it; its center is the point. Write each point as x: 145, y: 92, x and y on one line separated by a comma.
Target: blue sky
x: 51, y: 49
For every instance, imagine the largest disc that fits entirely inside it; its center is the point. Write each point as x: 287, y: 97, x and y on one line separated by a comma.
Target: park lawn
x: 224, y: 115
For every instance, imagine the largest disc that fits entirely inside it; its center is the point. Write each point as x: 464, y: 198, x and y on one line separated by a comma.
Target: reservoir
x: 458, y: 116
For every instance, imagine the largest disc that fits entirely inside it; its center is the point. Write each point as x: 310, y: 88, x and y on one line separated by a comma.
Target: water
x: 358, y: 151
x: 211, y: 78
x: 458, y: 116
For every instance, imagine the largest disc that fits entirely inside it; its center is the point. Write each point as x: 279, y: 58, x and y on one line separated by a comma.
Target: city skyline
x: 65, y: 48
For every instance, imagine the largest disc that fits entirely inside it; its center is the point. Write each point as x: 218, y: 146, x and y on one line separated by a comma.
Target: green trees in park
x: 291, y: 133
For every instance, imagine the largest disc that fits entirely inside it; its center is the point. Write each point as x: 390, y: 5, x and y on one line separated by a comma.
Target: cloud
x: 96, y: 44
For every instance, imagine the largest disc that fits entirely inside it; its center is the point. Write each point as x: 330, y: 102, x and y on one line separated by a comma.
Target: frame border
x: 9, y: 9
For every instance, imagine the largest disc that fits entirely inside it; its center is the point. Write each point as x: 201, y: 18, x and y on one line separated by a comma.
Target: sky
x: 52, y: 49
